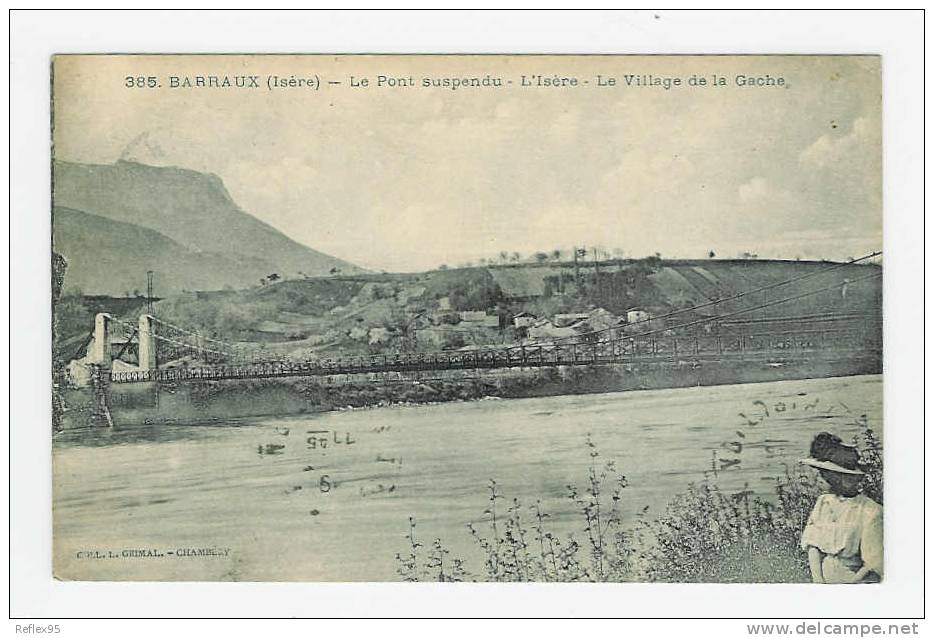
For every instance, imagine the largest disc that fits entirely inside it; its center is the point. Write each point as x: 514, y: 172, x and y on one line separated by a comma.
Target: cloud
x: 409, y: 179
x: 829, y: 150
x: 753, y: 191
x: 765, y: 196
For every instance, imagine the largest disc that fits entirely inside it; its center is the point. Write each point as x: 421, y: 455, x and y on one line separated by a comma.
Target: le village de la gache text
x: 451, y: 82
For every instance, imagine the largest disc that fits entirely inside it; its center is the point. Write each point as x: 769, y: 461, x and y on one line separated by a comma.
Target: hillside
x: 192, y: 209
x: 662, y: 285
x: 107, y: 257
x: 385, y: 313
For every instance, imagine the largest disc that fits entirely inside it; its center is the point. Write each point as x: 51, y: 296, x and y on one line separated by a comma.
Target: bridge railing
x: 621, y: 349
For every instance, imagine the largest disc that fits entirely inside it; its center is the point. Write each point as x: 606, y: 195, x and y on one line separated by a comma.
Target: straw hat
x: 829, y: 452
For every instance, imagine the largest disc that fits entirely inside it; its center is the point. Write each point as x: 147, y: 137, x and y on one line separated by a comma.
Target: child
x: 843, y: 535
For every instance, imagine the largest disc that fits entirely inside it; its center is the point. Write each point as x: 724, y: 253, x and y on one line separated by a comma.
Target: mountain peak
x: 191, y: 208
x: 144, y: 149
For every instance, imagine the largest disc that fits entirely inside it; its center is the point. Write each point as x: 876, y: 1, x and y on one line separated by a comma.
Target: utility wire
x: 745, y: 293
x: 765, y: 305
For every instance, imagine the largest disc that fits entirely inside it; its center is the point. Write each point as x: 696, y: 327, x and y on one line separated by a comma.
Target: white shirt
x: 849, y: 531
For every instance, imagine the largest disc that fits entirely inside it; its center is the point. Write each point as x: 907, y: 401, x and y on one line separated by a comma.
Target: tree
x: 503, y: 256
x: 273, y: 277
x: 541, y: 257
x: 475, y: 293
x: 516, y: 257
x: 556, y: 254
x: 443, y: 267
x: 711, y: 254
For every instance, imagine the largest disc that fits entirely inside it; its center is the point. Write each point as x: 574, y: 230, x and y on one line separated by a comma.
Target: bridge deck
x: 621, y: 350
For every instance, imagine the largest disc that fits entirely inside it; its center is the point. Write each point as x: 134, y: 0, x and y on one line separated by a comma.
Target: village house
x: 544, y: 329
x: 635, y: 315
x: 583, y: 324
x: 567, y: 319
x: 523, y: 320
x: 358, y: 333
x: 598, y: 319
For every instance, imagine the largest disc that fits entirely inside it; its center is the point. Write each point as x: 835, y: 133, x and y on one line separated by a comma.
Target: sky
x: 408, y: 178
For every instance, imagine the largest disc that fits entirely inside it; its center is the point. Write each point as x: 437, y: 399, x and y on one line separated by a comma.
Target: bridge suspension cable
x: 760, y: 306
x: 715, y: 302
x: 181, y: 346
x: 607, y: 351
x: 179, y: 329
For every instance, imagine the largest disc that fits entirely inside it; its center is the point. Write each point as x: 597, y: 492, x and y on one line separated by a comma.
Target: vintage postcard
x: 467, y: 318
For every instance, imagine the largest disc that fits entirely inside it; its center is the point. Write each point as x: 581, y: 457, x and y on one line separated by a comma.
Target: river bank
x: 219, y: 401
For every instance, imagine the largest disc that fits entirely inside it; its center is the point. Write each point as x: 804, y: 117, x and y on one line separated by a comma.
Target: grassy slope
x: 701, y: 281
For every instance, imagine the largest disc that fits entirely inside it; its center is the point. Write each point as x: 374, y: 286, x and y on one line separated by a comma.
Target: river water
x: 328, y: 496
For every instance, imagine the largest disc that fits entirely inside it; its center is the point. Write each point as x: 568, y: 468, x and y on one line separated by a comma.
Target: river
x: 328, y: 496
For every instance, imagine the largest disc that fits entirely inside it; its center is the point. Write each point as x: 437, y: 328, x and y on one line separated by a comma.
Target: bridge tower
x: 100, y: 352
x: 147, y: 343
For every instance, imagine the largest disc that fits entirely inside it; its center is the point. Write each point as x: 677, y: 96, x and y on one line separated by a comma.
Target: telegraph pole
x: 596, y: 266
x: 149, y: 292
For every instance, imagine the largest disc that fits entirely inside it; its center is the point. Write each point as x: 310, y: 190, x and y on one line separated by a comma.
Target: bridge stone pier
x: 147, y: 343
x: 100, y: 352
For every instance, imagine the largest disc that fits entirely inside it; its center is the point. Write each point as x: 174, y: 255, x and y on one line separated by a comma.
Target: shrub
x: 871, y: 458
x: 519, y: 547
x: 705, y: 534
x: 436, y: 566
x: 708, y: 536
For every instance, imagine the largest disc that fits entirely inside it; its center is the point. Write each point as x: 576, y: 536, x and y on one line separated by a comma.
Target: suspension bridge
x: 160, y: 345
